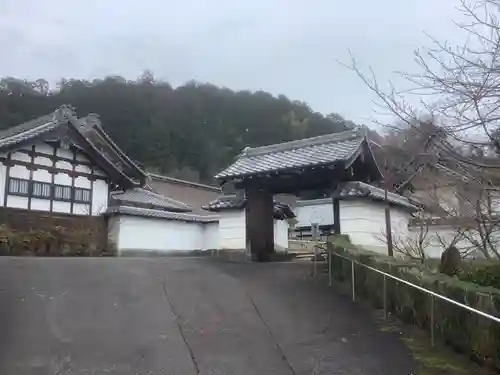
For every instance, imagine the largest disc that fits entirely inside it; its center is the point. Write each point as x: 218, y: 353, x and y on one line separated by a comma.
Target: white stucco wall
x: 362, y: 219
x: 211, y: 236
x: 314, y: 211
x: 232, y: 230
x: 160, y: 235
x: 100, y: 194
x: 280, y: 235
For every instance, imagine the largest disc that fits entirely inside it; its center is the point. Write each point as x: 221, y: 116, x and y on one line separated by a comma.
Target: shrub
x: 483, y: 274
x: 467, y: 333
x: 58, y: 241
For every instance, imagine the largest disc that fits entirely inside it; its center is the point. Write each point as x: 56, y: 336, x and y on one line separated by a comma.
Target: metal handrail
x: 386, y: 275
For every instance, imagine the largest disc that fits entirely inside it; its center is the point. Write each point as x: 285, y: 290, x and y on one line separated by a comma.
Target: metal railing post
x: 330, y: 268
x: 353, y: 281
x: 385, y: 297
x: 433, y: 295
x: 314, y: 259
x: 432, y: 321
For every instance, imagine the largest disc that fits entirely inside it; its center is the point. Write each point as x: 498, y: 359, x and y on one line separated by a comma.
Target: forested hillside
x: 191, y: 131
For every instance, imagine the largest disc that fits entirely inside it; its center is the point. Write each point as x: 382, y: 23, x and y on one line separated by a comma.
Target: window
x: 62, y: 193
x: 40, y: 189
x: 18, y: 186
x: 37, y: 189
x: 82, y: 195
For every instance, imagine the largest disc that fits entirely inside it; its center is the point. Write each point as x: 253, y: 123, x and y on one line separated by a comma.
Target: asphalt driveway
x: 183, y: 316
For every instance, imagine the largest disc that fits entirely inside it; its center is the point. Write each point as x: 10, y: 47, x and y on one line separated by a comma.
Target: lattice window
x: 18, y: 186
x: 40, y: 189
x: 62, y: 193
x: 82, y: 195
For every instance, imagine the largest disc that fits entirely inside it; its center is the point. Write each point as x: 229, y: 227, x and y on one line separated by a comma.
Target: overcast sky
x: 282, y: 46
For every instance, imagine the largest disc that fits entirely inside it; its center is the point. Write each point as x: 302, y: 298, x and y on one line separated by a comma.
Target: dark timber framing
x: 9, y: 162
x: 73, y: 181
x: 7, y: 176
x: 53, y: 170
x: 51, y: 197
x: 31, y: 169
x: 53, y: 175
x: 91, y: 191
x: 53, y: 157
x: 336, y: 216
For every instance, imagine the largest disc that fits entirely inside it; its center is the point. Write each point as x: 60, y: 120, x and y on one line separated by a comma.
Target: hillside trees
x: 191, y: 131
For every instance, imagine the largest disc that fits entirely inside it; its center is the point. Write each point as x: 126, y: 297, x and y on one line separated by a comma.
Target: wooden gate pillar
x: 259, y: 223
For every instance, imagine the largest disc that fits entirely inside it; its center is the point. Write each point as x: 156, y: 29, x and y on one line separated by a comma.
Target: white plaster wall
x: 232, y: 229
x: 19, y: 171
x: 40, y: 204
x: 100, y: 194
x: 280, y: 235
x: 3, y: 172
x: 63, y: 207
x: 42, y: 176
x: 17, y: 202
x: 210, y: 236
x: 314, y: 211
x: 362, y: 219
x: 150, y: 234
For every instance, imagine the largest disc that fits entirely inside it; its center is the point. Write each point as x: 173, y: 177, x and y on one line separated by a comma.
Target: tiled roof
x: 160, y: 214
x: 66, y: 116
x: 361, y: 189
x: 36, y: 127
x: 226, y: 202
x: 237, y: 202
x: 322, y: 150
x: 145, y: 197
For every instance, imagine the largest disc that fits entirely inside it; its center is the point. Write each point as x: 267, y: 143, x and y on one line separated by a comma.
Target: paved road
x: 183, y: 316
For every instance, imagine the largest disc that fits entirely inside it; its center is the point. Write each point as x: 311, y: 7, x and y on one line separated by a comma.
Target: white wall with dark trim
x: 137, y: 233
x: 362, y: 219
x: 79, y: 195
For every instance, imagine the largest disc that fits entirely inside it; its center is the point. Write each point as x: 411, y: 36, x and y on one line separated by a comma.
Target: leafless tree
x: 413, y: 247
x: 458, y: 88
x: 462, y: 203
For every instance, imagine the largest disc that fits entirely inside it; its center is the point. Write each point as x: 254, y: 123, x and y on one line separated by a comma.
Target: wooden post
x: 259, y: 223
x: 336, y: 216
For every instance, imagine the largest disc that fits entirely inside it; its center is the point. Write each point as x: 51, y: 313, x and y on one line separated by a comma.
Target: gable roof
x: 34, y: 128
x: 115, y: 162
x: 310, y: 152
x: 90, y: 127
x: 148, y: 199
